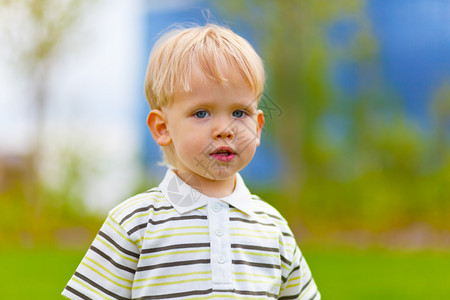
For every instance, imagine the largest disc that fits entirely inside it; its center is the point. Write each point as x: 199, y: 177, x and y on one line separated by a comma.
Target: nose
x: 226, y: 133
x: 224, y: 130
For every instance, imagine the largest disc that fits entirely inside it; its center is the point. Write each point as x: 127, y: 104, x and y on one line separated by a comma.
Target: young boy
x: 200, y: 234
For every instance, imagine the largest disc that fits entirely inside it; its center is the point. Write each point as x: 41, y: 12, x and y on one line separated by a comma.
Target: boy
x: 200, y: 234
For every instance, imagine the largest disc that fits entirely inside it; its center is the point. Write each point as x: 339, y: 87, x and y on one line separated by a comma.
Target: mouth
x: 223, y: 154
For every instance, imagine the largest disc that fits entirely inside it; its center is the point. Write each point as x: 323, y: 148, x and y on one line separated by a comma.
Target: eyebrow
x: 250, y: 108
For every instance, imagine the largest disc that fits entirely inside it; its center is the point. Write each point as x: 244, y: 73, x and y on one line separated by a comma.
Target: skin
x: 214, y: 131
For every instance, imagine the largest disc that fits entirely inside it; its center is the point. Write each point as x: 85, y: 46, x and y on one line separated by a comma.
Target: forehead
x: 228, y: 79
x: 204, y: 90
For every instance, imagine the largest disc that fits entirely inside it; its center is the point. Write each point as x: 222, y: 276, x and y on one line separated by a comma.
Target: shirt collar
x: 184, y: 198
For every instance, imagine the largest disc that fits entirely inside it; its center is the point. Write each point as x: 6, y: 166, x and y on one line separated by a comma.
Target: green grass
x: 340, y: 273
x: 380, y: 274
x: 36, y: 273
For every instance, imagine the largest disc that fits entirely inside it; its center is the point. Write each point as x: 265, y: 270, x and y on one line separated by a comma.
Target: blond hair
x: 217, y: 51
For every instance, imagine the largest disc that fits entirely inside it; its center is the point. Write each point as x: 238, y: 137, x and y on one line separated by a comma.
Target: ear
x: 259, y: 124
x: 156, y: 121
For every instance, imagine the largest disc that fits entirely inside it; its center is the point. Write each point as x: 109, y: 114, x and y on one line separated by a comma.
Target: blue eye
x: 201, y: 114
x: 239, y: 114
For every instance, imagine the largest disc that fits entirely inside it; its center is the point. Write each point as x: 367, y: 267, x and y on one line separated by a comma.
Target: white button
x: 216, y: 207
x: 219, y: 231
x: 220, y: 259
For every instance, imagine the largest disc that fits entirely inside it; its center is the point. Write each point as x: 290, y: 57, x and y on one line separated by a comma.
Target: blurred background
x: 355, y: 151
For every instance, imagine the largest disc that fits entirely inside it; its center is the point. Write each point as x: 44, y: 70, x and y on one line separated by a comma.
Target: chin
x: 221, y: 173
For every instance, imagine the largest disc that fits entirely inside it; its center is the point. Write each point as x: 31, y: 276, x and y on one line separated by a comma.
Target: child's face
x: 214, y: 129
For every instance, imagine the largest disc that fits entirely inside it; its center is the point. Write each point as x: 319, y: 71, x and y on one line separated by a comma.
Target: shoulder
x: 140, y: 206
x: 268, y: 214
x: 261, y: 207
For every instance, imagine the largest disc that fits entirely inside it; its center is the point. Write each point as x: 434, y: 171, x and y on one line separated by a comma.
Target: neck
x: 209, y: 187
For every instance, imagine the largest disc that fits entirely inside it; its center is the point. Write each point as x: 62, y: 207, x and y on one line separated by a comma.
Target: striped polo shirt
x: 173, y: 242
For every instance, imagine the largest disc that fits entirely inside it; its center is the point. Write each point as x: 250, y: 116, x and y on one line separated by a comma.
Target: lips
x: 223, y: 154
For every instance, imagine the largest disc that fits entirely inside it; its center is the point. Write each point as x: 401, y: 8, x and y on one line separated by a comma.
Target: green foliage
x: 379, y: 170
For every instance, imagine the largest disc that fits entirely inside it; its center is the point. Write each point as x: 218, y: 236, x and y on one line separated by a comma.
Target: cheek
x: 191, y: 144
x: 248, y: 132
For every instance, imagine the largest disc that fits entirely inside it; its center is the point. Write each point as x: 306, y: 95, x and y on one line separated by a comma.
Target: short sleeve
x: 299, y: 284
x: 107, y: 270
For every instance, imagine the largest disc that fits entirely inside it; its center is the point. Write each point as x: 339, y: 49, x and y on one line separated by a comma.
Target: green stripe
x: 89, y: 288
x: 118, y: 232
x: 172, y: 282
x: 173, y: 253
x: 176, y: 234
x: 105, y: 269
x: 251, y: 230
x: 270, y: 283
x: 285, y: 267
x: 102, y: 275
x: 306, y: 292
x: 125, y: 205
x: 290, y: 248
x: 255, y: 253
x: 177, y: 228
x: 255, y: 236
x: 254, y: 275
x: 293, y: 284
x: 146, y: 213
x: 173, y: 275
x: 115, y: 250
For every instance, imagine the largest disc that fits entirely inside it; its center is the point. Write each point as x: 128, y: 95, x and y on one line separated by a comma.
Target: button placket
x: 219, y: 231
x: 220, y: 259
x: 218, y: 218
x: 216, y: 207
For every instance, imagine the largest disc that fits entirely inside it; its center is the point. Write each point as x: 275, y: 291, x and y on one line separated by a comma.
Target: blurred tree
x: 440, y: 109
x: 36, y: 31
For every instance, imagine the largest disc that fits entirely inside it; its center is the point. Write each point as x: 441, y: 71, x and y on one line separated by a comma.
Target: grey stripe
x: 255, y: 264
x: 289, y: 297
x: 298, y: 295
x: 251, y: 221
x: 284, y: 259
x: 174, y: 264
x: 251, y: 247
x: 123, y: 250
x: 144, y: 225
x: 119, y: 266
x: 179, y: 246
x: 293, y: 270
x: 284, y: 279
x: 287, y: 234
x: 99, y: 287
x: 144, y: 209
x: 306, y: 285
x: 205, y: 292
x: 252, y: 293
x: 75, y: 292
x: 177, y: 295
x: 272, y: 216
